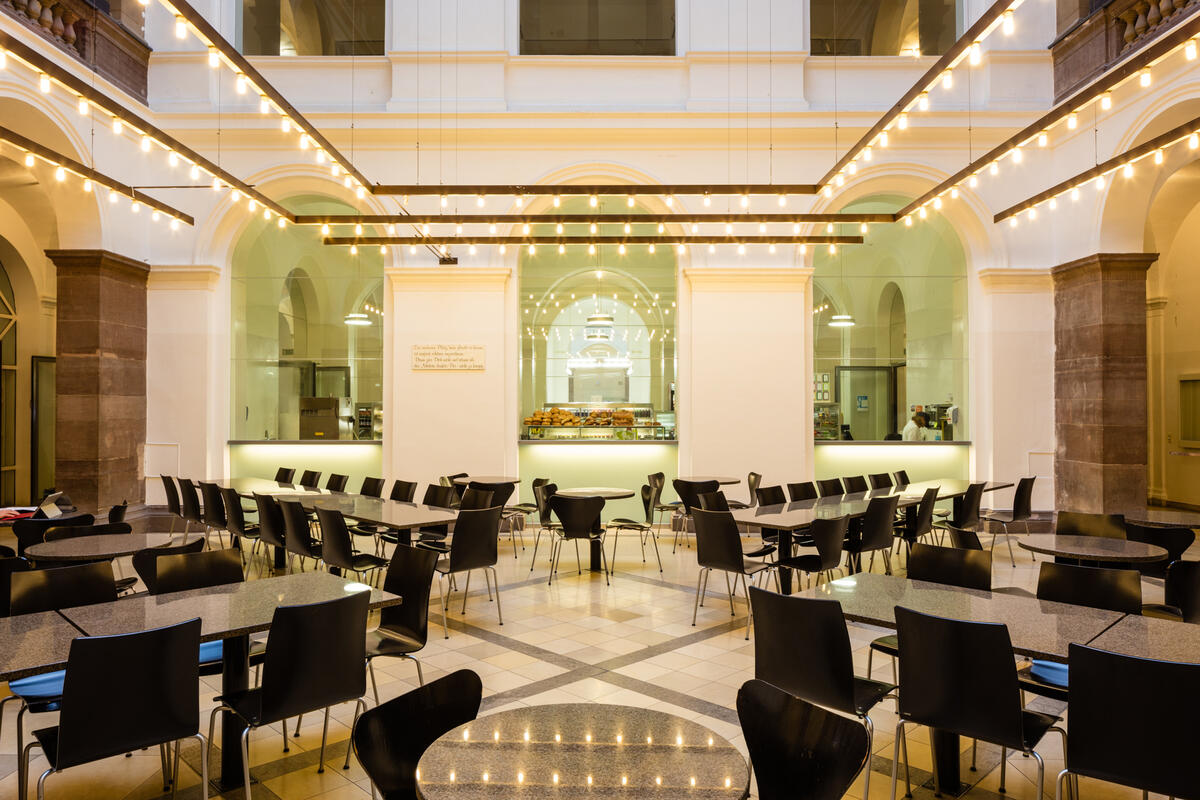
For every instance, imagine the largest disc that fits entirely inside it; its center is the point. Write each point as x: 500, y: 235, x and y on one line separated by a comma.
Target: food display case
x: 598, y: 422
x: 826, y: 421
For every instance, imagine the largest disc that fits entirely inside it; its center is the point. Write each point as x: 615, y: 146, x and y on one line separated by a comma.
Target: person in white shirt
x: 917, y: 429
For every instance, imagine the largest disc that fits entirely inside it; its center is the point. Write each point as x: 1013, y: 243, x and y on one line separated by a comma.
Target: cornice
x: 1015, y: 281
x: 200, y: 277
x: 749, y: 279
x: 457, y: 279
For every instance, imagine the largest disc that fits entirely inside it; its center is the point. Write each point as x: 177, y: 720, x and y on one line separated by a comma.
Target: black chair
x: 284, y: 475
x: 921, y: 524
x: 529, y: 508
x: 1022, y: 510
x: 337, y: 483
x: 1077, y: 523
x: 1142, y: 740
x: 189, y: 497
x: 770, y: 496
x: 643, y: 528
x: 452, y: 482
x: 824, y: 675
x: 1175, y: 541
x: 403, y: 491
x: 753, y: 479
x: 474, y: 546
x: 310, y: 479
x: 658, y: 480
x: 436, y: 496
x: 873, y: 532
x: 541, y: 496
x: 719, y: 547
x: 117, y: 513
x: 174, y: 508
x: 968, y: 510
x: 966, y: 569
x: 830, y: 488
x: 371, y: 487
x: 303, y: 672
x: 501, y: 493
x: 959, y: 677
x: 805, y: 490
x: 338, y: 551
x: 901, y: 476
x: 716, y: 501
x: 855, y: 484
x: 476, y: 499
x: 689, y: 493
x: 1181, y: 593
x: 1112, y: 589
x: 271, y: 527
x: 880, y: 480
x: 828, y: 535
x: 579, y: 520
x: 963, y: 540
x: 215, y: 518
x: 9, y: 565
x: 106, y: 711
x: 797, y: 749
x: 403, y: 629
x: 33, y: 531
x: 297, y: 534
x: 80, y: 531
x: 145, y: 562
x: 240, y: 531
x: 390, y: 739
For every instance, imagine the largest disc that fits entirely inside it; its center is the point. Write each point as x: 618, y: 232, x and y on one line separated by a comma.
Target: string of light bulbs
x: 587, y: 219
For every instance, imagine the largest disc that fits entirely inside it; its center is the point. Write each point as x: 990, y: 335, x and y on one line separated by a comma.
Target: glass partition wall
x: 313, y: 27
x: 598, y: 27
x: 890, y: 332
x: 883, y: 27
x: 307, y: 334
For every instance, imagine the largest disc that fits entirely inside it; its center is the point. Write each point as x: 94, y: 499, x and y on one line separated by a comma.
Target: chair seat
x: 251, y: 532
x: 365, y: 561
x: 1034, y: 725
x: 737, y: 504
x: 761, y: 552
x: 805, y: 563
x: 247, y: 704
x: 7, y: 552
x: 624, y: 522
x: 524, y: 508
x: 1000, y: 519
x: 868, y: 692
x: 368, y: 530
x: 48, y: 739
x: 211, y: 654
x: 755, y: 567
x: 43, y: 688
x: 1160, y: 611
x: 125, y: 584
x: 675, y: 506
x: 888, y: 645
x: 941, y: 512
x: 391, y: 644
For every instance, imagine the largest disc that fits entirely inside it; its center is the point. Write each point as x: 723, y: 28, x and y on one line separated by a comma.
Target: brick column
x: 100, y: 431
x: 1100, y: 382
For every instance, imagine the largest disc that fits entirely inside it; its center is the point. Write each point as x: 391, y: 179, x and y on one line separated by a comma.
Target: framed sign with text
x: 449, y: 357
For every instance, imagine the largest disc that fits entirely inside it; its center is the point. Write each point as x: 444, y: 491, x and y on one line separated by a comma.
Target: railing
x: 88, y: 32
x: 1143, y: 18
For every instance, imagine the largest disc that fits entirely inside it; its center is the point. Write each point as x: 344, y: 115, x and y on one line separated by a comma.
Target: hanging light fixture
x: 357, y: 320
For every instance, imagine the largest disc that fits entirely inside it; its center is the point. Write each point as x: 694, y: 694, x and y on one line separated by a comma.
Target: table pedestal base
x: 235, y: 677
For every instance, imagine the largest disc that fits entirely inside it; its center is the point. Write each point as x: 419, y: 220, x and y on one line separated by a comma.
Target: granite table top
x: 607, y: 492
x: 250, y: 486
x: 469, y: 479
x: 102, y: 548
x: 723, y: 480
x: 388, y: 513
x: 583, y: 750
x: 1148, y: 637
x: 1093, y: 548
x: 31, y: 644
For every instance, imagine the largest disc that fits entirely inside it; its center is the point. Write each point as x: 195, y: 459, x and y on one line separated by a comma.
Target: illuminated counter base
x: 261, y: 459
x: 923, y: 460
x: 622, y: 465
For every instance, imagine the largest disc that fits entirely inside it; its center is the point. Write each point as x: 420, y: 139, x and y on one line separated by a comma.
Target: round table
x: 485, y: 479
x: 100, y: 548
x: 1093, y: 549
x: 607, y: 492
x: 723, y: 481
x: 554, y: 751
x: 1165, y: 517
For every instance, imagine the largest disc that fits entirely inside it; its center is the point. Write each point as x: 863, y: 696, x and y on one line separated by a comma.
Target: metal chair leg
x: 203, y: 765
x: 499, y: 613
x: 371, y: 672
x: 360, y: 706
x: 870, y: 726
x: 696, y: 605
x: 466, y: 588
x: 175, y: 774
x: 654, y: 540
x: 442, y: 597
x: 896, y: 758
x: 246, y: 760
x: 324, y: 736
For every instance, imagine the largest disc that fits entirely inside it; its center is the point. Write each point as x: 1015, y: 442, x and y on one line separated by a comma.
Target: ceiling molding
x: 1015, y: 281
x: 449, y: 279
x: 749, y: 279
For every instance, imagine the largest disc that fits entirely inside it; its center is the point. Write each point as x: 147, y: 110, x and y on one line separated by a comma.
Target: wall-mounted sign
x: 449, y: 357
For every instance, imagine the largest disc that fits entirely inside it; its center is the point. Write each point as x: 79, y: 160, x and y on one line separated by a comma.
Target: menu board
x: 449, y: 357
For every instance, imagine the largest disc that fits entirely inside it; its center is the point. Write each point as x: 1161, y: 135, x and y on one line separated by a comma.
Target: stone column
x: 100, y: 430
x: 1100, y: 382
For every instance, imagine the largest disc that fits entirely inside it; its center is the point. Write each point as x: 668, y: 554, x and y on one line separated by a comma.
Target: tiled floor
x: 631, y: 643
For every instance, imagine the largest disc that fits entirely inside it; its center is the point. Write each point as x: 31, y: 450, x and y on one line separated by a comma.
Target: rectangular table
x: 229, y: 613
x: 1149, y: 637
x: 31, y: 644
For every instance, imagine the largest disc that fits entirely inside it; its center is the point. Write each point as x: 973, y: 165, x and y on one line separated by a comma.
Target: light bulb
x: 728, y: 228
x: 479, y: 201
x: 651, y: 249
x: 1100, y: 183
x: 194, y: 173
x: 745, y: 201
x: 883, y: 139
x: 1194, y: 141
x: 973, y: 181
x: 629, y: 201
x: 923, y: 101
x: 1043, y: 139
x: 593, y: 201
x: 214, y: 58
x: 621, y: 249
x: 592, y: 228
x: 707, y: 200
x: 1075, y: 193
x: 520, y: 200
x: 1158, y: 156
x: 828, y: 191
x: 1016, y: 155
x: 712, y: 248
x: 908, y: 222
x: 628, y: 227
x: 180, y: 28
x: 695, y: 227
x: 240, y: 84
x: 591, y: 249
x: 937, y: 204
x: 741, y: 249
x: 762, y: 227
x: 353, y: 249
x: 83, y: 106
x: 1032, y: 214
x: 44, y: 83
x: 1053, y: 203
x: 87, y: 186
x: 174, y: 224
x: 1127, y: 171
x: 953, y: 194
x: 346, y: 182
x: 145, y: 144
x: 562, y: 249
x: 503, y: 249
x: 325, y: 229
x: 1106, y: 101
x: 1072, y: 121
x: 60, y: 174
x: 994, y: 169
x: 281, y: 223
x: 285, y: 125
x: 135, y: 206
x: 557, y: 201
x: 840, y: 179
x: 829, y: 227
x: 1012, y: 222
x: 863, y: 229
x: 833, y: 249
x: 1144, y: 78
x: 922, y: 213
x: 974, y: 54
x: 116, y: 126
x: 681, y: 249
x: 867, y: 153
x: 902, y: 123
x: 1189, y: 51
x: 558, y: 228
x: 782, y: 200
x: 670, y: 200
x: 1008, y: 25
x: 29, y: 160
x: 172, y: 159
x: 661, y: 227
x: 360, y: 192
x: 112, y: 196
x: 525, y: 229
x: 532, y: 250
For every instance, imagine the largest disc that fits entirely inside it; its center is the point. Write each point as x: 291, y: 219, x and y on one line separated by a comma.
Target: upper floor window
x: 313, y: 27
x: 598, y: 27
x: 882, y: 27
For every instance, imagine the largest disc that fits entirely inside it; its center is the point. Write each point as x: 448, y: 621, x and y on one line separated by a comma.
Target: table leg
x: 785, y: 550
x: 946, y: 762
x: 597, y: 559
x: 280, y: 559
x: 235, y: 677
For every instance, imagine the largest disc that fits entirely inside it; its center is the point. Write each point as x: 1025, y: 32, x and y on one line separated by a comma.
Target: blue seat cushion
x: 210, y: 651
x: 1050, y: 673
x: 43, y: 687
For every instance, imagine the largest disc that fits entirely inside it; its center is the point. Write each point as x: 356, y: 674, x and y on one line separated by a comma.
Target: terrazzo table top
x: 224, y: 611
x: 389, y: 513
x: 631, y: 752
x: 101, y: 548
x: 607, y: 492
x: 1038, y: 628
x: 1097, y: 549
x: 1148, y: 637
x: 31, y: 644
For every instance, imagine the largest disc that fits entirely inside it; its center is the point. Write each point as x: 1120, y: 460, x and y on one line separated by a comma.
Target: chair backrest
x: 310, y: 478
x: 476, y: 539
x: 474, y: 499
x: 62, y: 587
x: 123, y: 693
x: 457, y: 488
x: 959, y: 676
x: 713, y: 501
x: 315, y: 656
x: 271, y: 528
x: 541, y: 498
x: 336, y: 548
x: 297, y: 536
x: 649, y: 497
x: 878, y: 521
x: 189, y: 497
x: 658, y: 479
x: 1078, y: 523
x: 688, y: 491
x: 796, y: 748
x: 1142, y: 740
x: 79, y: 531
x: 182, y: 571
x: 880, y: 480
x: 33, y: 531
x: 439, y: 496
x: 1175, y: 541
x: 145, y: 562
x: 337, y: 483
x: 966, y: 569
x: 753, y: 480
x: 923, y: 522
x: 902, y: 477
x: 770, y: 496
x: 172, y: 494
x: 214, y: 506
x: 964, y: 540
x: 804, y: 490
x: 829, y: 536
x: 390, y: 739
x: 284, y: 475
x: 830, y: 487
x: 117, y: 513
x: 801, y: 646
x: 235, y: 518
x: 969, y: 507
x: 409, y: 575
x: 1095, y: 587
x: 1023, y: 499
x: 718, y: 543
x: 1182, y: 588
x: 371, y: 487
x: 579, y: 516
x: 854, y: 484
x: 403, y: 491
x: 7, y: 567
x: 501, y: 492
